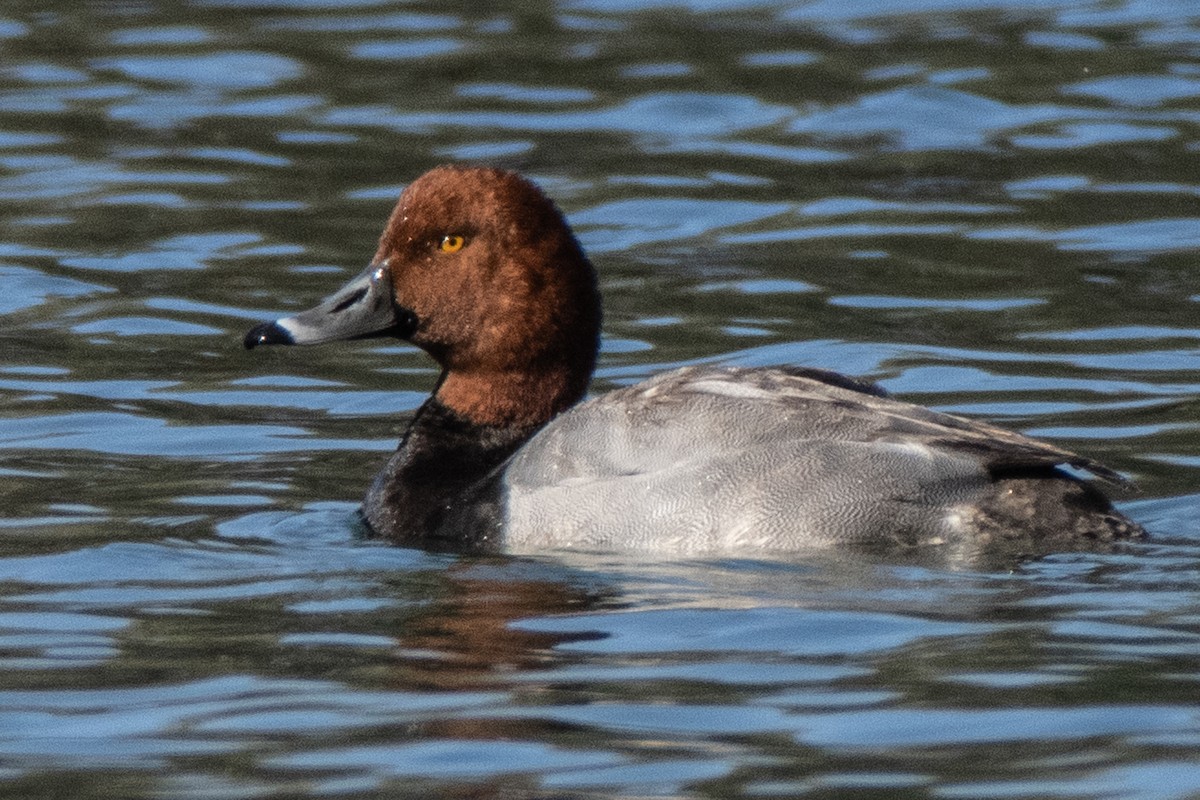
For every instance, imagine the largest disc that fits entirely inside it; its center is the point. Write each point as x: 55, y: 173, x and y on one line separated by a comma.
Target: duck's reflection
x: 468, y: 641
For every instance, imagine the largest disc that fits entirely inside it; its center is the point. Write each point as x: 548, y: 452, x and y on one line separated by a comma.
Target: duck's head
x: 478, y: 268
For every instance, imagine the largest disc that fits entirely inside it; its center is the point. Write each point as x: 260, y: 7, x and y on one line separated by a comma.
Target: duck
x: 477, y: 267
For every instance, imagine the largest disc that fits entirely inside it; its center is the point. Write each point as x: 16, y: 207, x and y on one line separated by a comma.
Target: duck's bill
x: 362, y: 309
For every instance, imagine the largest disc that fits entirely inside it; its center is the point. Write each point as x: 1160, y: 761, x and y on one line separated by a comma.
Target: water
x: 989, y: 206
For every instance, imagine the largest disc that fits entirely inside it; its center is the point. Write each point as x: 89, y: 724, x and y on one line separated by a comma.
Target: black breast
x: 441, y: 488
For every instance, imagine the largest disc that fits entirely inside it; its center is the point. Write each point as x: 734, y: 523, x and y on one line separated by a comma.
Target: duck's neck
x: 441, y: 486
x: 518, y: 398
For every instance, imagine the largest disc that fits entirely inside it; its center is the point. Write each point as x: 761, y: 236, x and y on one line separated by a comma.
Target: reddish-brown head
x: 501, y: 292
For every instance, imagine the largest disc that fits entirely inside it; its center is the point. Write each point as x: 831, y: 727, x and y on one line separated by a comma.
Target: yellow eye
x: 452, y: 243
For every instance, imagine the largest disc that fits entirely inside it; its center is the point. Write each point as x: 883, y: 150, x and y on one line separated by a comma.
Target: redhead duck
x: 480, y: 270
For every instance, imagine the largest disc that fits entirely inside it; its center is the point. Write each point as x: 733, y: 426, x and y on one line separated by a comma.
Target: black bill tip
x: 267, y: 333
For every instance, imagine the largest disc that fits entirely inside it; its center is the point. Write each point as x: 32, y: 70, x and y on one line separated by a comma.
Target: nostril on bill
x: 354, y: 297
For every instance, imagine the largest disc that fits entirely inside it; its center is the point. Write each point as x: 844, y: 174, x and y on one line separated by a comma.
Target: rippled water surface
x: 992, y: 207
